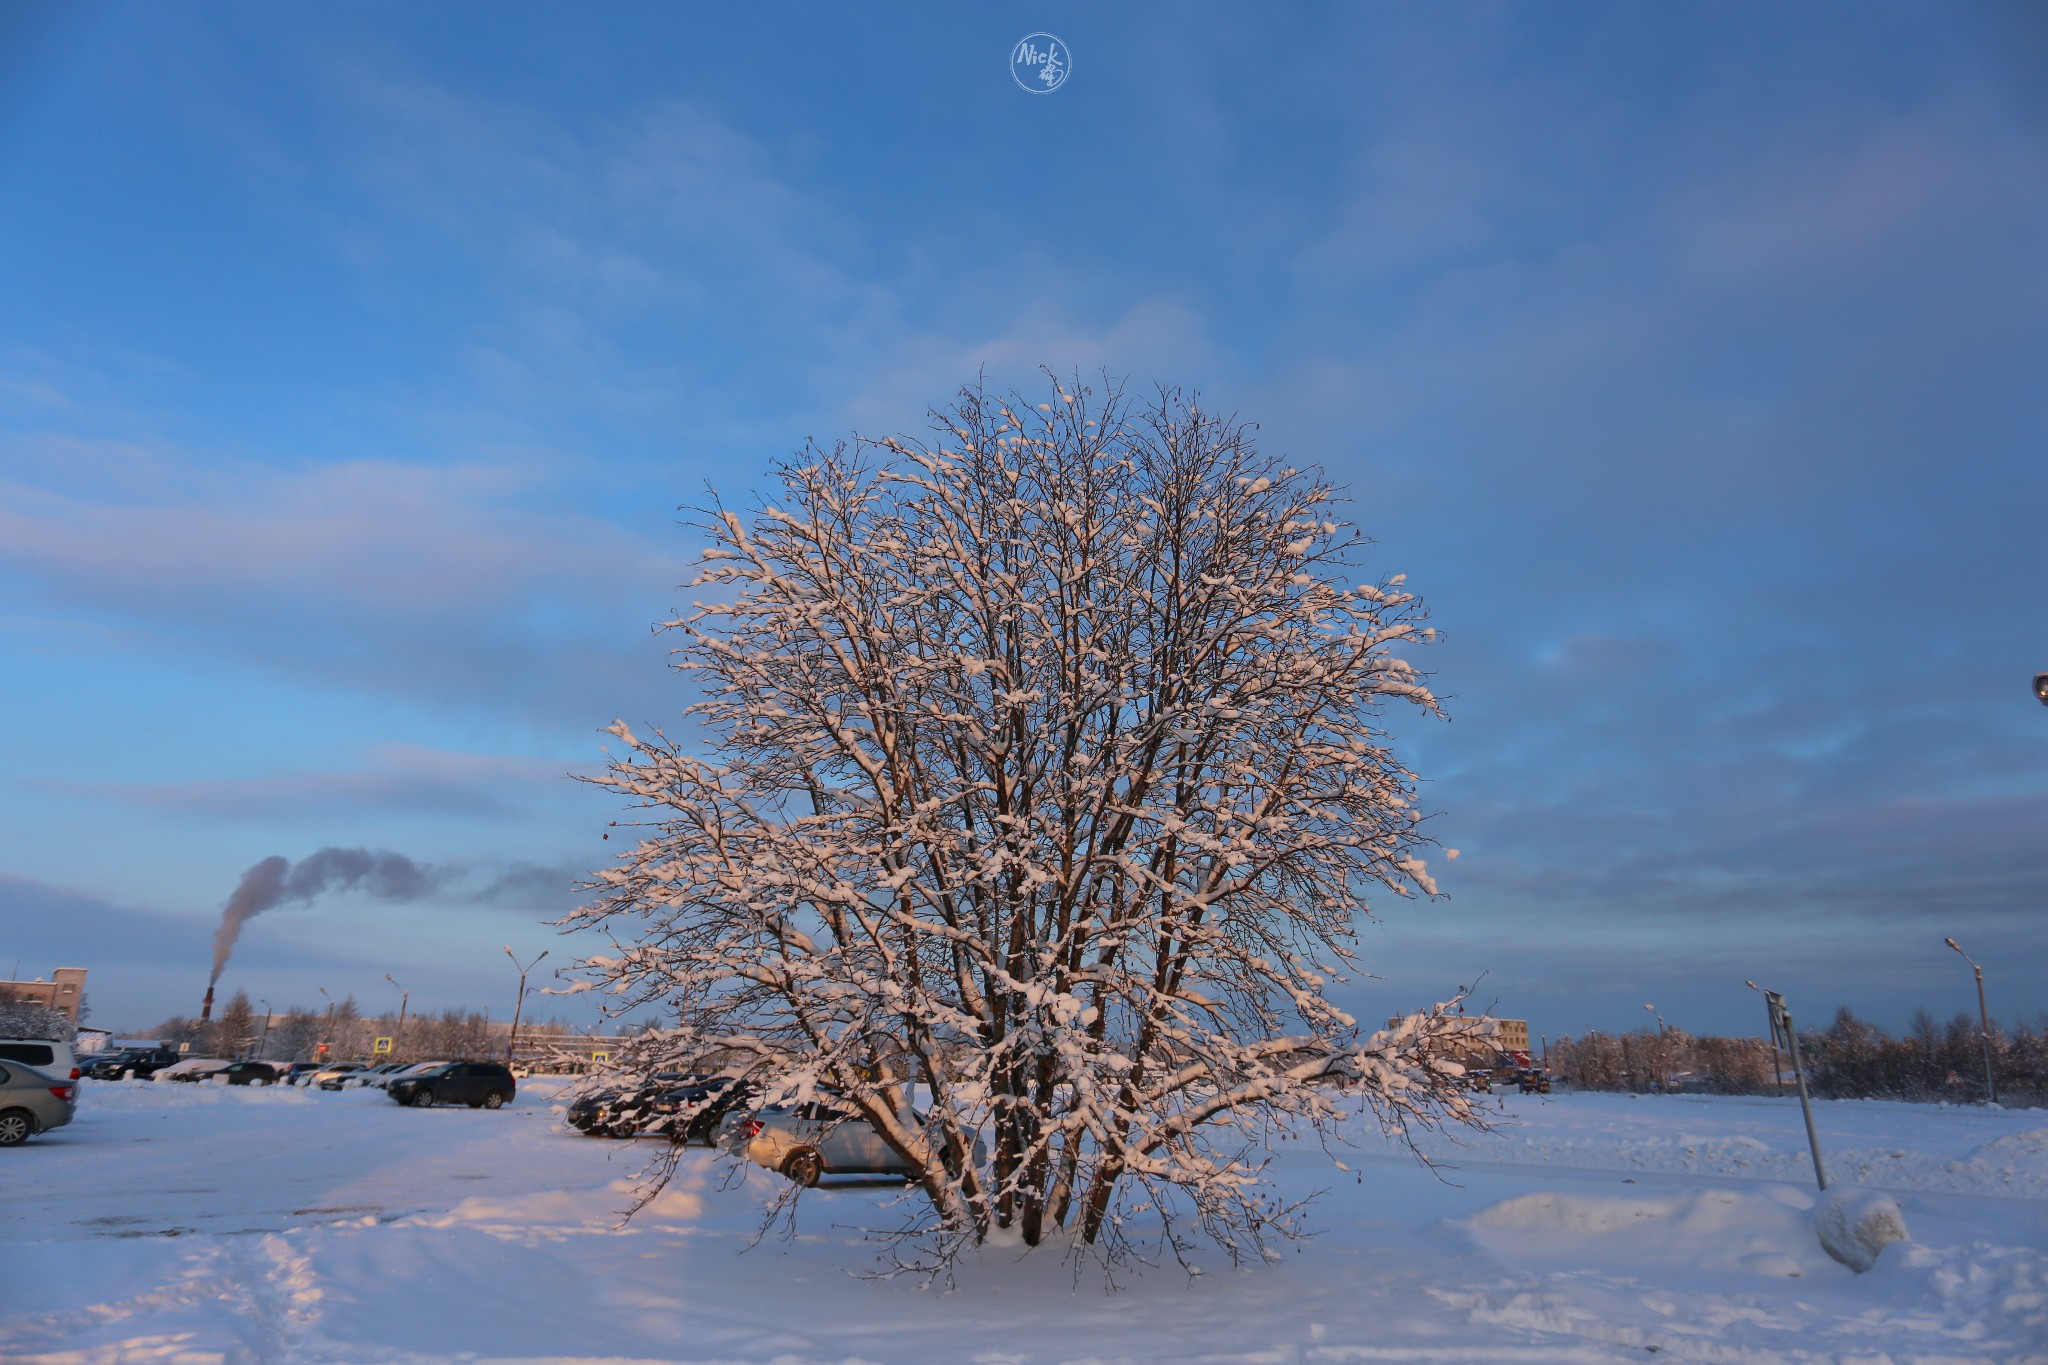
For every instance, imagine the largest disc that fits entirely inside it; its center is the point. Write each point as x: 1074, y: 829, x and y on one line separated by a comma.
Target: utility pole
x: 327, y: 1030
x: 1781, y: 1021
x: 263, y: 1043
x: 398, y: 1038
x: 1983, y: 1021
x: 520, y: 1007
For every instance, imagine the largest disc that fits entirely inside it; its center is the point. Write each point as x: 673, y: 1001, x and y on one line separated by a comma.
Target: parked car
x: 192, y: 1069
x: 139, y: 1063
x: 330, y: 1071
x: 49, y: 1055
x: 480, y: 1085
x: 383, y: 1080
x: 32, y: 1102
x: 814, y: 1139
x: 298, y: 1073
x: 592, y: 1114
x: 684, y: 1108
x: 362, y: 1075
x: 250, y: 1073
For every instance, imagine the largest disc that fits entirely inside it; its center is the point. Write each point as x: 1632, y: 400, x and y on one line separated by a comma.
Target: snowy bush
x: 21, y: 1018
x: 1042, y: 765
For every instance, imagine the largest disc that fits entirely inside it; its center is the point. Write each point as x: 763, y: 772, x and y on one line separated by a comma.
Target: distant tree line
x: 1849, y: 1059
x: 241, y: 1030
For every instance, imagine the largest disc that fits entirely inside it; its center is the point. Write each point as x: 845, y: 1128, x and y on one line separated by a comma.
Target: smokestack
x: 206, y: 1008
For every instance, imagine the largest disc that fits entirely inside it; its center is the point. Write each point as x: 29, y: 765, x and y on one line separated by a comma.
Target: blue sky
x: 1688, y: 359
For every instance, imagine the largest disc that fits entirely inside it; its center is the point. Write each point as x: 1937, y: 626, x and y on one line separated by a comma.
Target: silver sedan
x: 806, y: 1141
x: 32, y: 1102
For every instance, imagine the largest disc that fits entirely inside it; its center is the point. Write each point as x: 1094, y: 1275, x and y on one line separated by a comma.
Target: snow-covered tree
x: 1041, y: 763
x: 233, y: 1032
x: 24, y: 1018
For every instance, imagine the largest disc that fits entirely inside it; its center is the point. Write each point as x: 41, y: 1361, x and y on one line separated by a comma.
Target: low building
x: 1481, y: 1040
x: 62, y: 993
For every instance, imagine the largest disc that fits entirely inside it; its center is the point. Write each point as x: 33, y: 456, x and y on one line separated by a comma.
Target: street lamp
x: 1781, y: 1022
x: 327, y: 1033
x: 1771, y: 1027
x: 398, y: 1038
x: 263, y: 1043
x: 2041, y: 687
x: 519, y: 1007
x: 1660, y: 1019
x: 1983, y: 1015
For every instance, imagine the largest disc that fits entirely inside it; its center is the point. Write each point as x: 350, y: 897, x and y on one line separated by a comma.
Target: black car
x: 139, y: 1062
x: 593, y: 1114
x: 480, y: 1085
x: 250, y: 1073
x: 685, y: 1113
x: 692, y: 1113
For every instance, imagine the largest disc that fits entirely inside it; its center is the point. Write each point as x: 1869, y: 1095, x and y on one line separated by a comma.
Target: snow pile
x: 1855, y: 1226
x: 1763, y: 1232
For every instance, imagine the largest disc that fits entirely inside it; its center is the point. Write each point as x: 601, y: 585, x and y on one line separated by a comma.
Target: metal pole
x: 327, y: 1032
x: 263, y: 1044
x: 1771, y: 1027
x: 1983, y: 1022
x: 1781, y: 1018
x: 398, y: 1038
x: 519, y: 1007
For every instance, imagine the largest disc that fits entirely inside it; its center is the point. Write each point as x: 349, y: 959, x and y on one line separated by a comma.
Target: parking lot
x: 198, y: 1223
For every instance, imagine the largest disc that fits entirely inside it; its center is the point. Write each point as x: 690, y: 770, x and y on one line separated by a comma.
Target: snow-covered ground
x: 190, y: 1223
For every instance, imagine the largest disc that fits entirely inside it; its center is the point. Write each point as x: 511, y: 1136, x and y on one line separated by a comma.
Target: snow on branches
x: 1042, y: 767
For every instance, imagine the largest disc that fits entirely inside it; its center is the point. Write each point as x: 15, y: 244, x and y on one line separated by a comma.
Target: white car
x: 813, y: 1139
x: 51, y: 1056
x: 328, y: 1073
x: 192, y: 1068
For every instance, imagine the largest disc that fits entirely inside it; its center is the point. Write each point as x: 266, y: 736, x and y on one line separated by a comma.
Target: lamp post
x: 1781, y: 1022
x: 263, y: 1043
x: 519, y: 1007
x: 1771, y: 1027
x: 1983, y: 1015
x: 327, y: 1032
x: 398, y: 1038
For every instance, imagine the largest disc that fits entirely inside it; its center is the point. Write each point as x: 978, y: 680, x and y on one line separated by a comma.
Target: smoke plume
x: 376, y: 872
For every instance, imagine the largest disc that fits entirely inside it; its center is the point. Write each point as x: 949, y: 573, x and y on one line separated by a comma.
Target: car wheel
x: 261, y: 1080
x: 422, y: 1099
x: 495, y: 1100
x: 803, y: 1166
x: 15, y: 1127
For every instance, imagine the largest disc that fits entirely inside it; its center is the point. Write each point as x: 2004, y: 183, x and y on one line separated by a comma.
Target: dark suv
x: 480, y: 1085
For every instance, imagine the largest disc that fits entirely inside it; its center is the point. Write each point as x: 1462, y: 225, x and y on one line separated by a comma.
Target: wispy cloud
x: 395, y: 778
